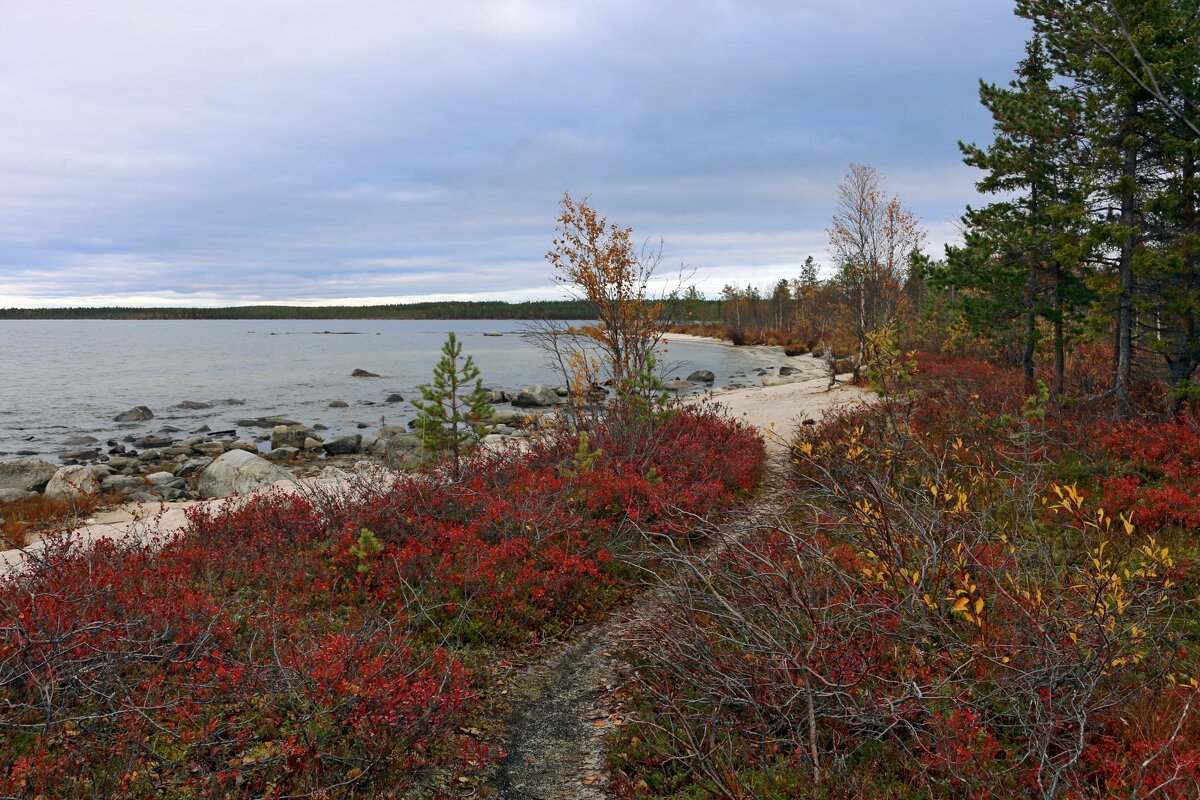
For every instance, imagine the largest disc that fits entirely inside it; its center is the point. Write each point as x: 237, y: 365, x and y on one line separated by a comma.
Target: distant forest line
x: 481, y: 309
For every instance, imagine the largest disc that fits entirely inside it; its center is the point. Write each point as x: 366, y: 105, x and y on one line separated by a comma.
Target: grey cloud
x: 295, y: 150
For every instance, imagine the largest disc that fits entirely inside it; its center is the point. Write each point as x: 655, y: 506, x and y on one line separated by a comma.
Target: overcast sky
x: 161, y: 152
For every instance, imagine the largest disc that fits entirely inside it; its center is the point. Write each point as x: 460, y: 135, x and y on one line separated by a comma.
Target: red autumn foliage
x: 288, y: 646
x: 944, y: 614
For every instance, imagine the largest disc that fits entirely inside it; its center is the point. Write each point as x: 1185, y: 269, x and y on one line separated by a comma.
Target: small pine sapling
x: 451, y: 412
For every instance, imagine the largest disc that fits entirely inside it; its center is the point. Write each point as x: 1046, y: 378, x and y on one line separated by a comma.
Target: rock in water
x: 239, y: 472
x: 28, y: 475
x: 265, y: 422
x: 136, y: 414
x: 70, y: 482
x: 291, y: 435
x: 702, y: 376
x: 539, y: 395
x: 362, y: 373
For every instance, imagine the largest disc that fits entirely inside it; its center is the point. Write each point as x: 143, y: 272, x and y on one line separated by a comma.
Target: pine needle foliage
x: 453, y: 409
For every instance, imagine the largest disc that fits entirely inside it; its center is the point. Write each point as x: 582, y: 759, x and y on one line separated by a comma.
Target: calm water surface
x: 64, y: 378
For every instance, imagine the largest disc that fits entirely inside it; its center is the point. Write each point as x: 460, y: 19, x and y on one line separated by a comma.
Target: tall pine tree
x: 1019, y: 262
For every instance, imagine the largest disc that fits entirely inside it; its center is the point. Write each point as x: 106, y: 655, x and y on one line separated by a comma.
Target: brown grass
x: 23, y: 518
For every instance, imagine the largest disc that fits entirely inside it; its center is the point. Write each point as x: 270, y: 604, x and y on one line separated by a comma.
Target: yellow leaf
x: 979, y: 605
x: 961, y: 604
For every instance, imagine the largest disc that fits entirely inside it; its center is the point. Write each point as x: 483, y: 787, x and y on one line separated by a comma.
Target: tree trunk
x: 1060, y: 378
x: 1183, y: 366
x: 1124, y: 343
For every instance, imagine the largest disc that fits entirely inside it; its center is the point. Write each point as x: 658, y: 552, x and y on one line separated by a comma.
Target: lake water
x: 65, y: 378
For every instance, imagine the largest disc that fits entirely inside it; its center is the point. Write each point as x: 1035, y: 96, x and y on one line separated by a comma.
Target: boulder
x: 244, y: 444
x: 362, y: 373
x: 394, y: 397
x: 284, y: 454
x: 80, y: 455
x: 344, y: 445
x: 121, y: 483
x: 312, y: 444
x: 702, y: 376
x: 192, y: 466
x: 778, y: 380
x: 536, y: 396
x: 786, y: 370
x: 122, y: 462
x: 192, y: 405
x: 154, y: 440
x: 70, y: 482
x: 332, y: 474
x: 13, y: 495
x: 677, y: 385
x: 290, y: 435
x: 210, y: 449
x: 497, y: 396
x: 239, y: 472
x: 28, y: 475
x: 507, y: 416
x: 339, y: 404
x: 395, y: 444
x: 842, y: 365
x: 136, y: 414
x: 160, y: 478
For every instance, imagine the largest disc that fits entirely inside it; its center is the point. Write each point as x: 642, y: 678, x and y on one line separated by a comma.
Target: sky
x: 229, y: 152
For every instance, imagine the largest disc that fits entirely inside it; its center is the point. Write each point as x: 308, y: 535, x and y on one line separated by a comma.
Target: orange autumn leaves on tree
x: 598, y: 262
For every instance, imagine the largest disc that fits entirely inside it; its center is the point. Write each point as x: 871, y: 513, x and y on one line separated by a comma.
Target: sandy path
x: 566, y: 706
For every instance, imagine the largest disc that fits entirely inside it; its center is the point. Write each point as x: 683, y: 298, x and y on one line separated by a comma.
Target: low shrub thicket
x: 941, y: 614
x: 291, y: 646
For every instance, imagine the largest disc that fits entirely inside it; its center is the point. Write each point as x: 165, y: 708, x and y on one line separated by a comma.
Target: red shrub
x: 291, y: 646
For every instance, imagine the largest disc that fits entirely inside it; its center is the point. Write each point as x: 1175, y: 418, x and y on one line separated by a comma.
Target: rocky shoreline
x: 162, y: 463
x: 169, y: 464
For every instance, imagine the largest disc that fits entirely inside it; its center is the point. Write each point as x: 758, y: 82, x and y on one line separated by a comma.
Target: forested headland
x: 457, y: 309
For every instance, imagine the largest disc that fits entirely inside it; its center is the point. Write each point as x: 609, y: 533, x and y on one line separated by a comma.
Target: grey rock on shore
x: 239, y: 472
x: 28, y: 475
x: 70, y: 482
x: 536, y: 396
x: 291, y: 435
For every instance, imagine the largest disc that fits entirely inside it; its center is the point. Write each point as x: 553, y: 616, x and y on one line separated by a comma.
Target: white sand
x: 774, y: 410
x: 778, y: 410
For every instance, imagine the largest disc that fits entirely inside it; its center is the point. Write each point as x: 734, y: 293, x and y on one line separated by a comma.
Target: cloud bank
x: 246, y: 151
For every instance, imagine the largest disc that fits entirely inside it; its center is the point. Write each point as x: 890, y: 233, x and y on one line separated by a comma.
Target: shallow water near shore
x: 61, y: 379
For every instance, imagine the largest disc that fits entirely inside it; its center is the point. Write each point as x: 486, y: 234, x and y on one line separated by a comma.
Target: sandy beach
x: 777, y: 410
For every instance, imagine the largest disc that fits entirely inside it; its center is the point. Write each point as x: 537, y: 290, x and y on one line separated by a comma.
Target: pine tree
x: 451, y: 412
x: 1019, y: 261
x: 1135, y: 68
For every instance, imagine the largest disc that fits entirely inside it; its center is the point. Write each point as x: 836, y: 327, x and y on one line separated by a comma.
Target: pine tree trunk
x: 1124, y: 343
x: 1060, y: 378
